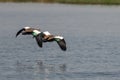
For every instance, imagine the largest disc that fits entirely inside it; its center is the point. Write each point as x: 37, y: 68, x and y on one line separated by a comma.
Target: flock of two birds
x: 42, y: 37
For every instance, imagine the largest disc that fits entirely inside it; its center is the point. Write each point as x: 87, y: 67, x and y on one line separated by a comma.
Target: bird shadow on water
x: 39, y: 70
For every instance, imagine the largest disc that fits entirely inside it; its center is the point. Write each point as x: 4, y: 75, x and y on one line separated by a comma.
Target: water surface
x: 91, y: 33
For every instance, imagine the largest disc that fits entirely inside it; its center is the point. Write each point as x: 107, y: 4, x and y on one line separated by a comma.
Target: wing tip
x: 19, y: 31
x: 39, y: 40
x: 62, y: 44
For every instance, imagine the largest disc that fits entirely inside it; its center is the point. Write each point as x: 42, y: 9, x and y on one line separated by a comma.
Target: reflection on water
x: 40, y: 70
x: 91, y: 34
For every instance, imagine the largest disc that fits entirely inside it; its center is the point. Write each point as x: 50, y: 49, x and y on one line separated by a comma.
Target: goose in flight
x: 26, y: 31
x: 42, y: 37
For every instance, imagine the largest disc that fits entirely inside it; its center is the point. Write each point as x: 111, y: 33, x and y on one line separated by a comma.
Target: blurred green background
x: 116, y: 2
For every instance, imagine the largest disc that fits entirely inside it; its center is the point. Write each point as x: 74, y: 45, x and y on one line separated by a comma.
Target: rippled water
x: 91, y: 33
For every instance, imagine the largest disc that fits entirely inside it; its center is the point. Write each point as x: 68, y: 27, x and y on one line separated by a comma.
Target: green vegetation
x: 90, y: 1
x: 69, y: 1
x: 46, y: 1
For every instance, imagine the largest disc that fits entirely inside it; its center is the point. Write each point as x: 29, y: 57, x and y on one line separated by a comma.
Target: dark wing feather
x: 19, y: 31
x: 39, y: 40
x: 62, y: 44
x: 64, y: 41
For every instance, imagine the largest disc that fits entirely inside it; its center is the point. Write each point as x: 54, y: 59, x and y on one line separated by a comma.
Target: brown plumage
x: 43, y: 37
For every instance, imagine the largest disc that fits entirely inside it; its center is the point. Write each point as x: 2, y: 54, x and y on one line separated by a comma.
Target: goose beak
x: 20, y: 31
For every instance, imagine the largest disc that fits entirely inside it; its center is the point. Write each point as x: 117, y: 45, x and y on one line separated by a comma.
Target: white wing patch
x: 60, y: 37
x: 46, y: 33
x: 36, y: 31
x: 27, y: 27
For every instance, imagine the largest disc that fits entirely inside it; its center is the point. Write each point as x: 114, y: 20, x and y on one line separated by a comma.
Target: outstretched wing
x: 20, y: 31
x: 62, y: 44
x: 39, y: 40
